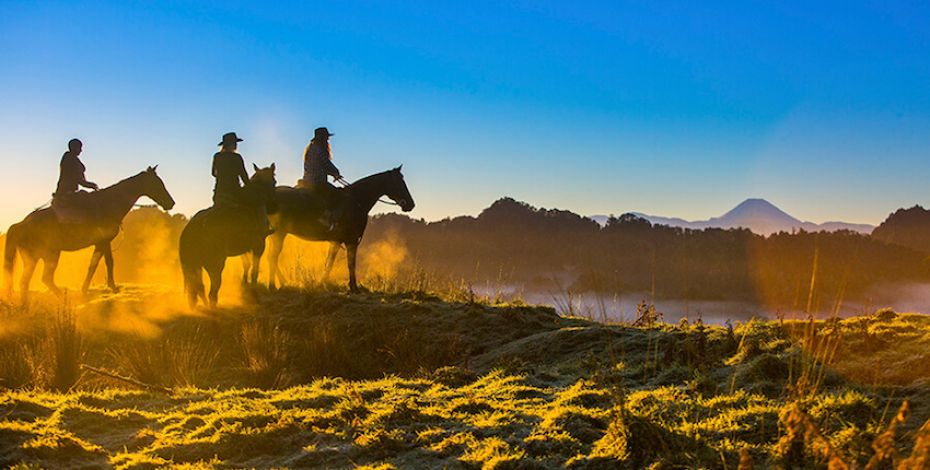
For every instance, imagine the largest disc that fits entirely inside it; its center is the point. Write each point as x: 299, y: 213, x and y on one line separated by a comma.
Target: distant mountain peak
x: 758, y: 215
x: 756, y: 212
x: 755, y: 201
x: 756, y: 205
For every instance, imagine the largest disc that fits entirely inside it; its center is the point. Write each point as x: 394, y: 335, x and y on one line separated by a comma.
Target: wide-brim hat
x: 229, y: 137
x: 321, y: 131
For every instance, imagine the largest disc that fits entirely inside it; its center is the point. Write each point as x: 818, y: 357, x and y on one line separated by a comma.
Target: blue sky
x: 671, y: 108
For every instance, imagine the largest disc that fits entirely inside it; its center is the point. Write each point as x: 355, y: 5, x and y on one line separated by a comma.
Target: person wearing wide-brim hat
x: 318, y: 165
x: 229, y: 171
x: 318, y: 161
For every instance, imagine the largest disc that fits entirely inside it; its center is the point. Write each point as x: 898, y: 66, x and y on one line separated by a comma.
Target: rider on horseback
x: 229, y: 170
x: 67, y: 199
x: 318, y: 161
x: 318, y: 164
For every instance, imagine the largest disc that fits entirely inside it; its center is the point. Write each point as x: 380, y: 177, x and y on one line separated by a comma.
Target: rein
x: 345, y: 184
x: 43, y: 206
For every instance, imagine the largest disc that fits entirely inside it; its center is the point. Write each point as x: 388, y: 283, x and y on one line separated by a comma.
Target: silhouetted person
x: 72, y: 170
x: 229, y: 171
x: 318, y: 164
x: 318, y: 161
x: 66, y: 200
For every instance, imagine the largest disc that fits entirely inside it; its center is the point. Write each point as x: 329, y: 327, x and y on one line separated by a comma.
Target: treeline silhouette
x: 906, y: 227
x: 513, y: 242
x: 547, y: 250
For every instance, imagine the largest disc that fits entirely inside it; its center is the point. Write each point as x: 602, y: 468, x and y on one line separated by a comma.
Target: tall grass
x: 819, y: 343
x: 186, y: 357
x: 16, y: 368
x: 266, y: 351
x: 67, y: 350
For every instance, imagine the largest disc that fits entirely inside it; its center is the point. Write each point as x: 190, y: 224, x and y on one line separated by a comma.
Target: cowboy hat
x: 321, y: 131
x: 230, y: 137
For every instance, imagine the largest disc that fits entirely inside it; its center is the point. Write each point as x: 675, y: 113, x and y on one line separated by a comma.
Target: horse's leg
x: 92, y: 268
x: 330, y: 259
x: 192, y: 288
x: 256, y: 255
x: 29, y: 268
x: 48, y: 272
x: 215, y: 271
x: 108, y: 261
x: 277, y: 244
x: 246, y: 267
x: 8, y: 283
x: 351, y: 252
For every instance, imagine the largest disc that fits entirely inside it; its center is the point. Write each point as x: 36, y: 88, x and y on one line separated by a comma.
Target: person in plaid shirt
x: 318, y: 160
x: 318, y: 165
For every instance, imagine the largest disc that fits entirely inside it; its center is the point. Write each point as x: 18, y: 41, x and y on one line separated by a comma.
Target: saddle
x: 232, y: 210
x: 228, y: 199
x: 75, y: 208
x: 327, y: 200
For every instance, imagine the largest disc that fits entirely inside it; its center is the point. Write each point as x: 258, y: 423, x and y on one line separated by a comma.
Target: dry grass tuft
x: 185, y: 358
x: 67, y: 350
x: 266, y: 349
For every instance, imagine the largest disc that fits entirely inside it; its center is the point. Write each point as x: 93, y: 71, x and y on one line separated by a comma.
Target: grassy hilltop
x: 411, y: 380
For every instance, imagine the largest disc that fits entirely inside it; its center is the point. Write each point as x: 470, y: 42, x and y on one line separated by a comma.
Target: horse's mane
x: 123, y: 181
x: 368, y: 178
x: 109, y: 189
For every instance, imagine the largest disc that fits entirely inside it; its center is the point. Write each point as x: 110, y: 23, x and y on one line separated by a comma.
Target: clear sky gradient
x: 670, y: 108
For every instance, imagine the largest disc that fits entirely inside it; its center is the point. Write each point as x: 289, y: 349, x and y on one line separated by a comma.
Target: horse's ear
x: 255, y: 167
x: 399, y: 168
x: 154, y: 168
x: 272, y: 167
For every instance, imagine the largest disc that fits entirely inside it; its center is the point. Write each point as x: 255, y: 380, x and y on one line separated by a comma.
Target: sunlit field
x: 405, y: 377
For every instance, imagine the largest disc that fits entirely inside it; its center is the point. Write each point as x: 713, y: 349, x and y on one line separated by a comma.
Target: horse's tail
x: 191, y: 268
x: 9, y: 254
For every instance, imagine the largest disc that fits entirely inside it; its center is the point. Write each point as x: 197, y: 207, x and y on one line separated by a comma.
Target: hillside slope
x: 461, y: 384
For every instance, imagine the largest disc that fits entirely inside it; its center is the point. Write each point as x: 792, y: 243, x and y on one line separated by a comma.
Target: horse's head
x: 397, y: 190
x: 154, y: 188
x: 263, y: 182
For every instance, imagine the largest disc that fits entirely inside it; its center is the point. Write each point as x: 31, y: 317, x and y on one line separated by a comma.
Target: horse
x: 216, y: 233
x: 41, y: 235
x: 298, y: 214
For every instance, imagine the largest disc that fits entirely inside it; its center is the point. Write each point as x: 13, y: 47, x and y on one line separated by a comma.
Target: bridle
x: 346, y: 184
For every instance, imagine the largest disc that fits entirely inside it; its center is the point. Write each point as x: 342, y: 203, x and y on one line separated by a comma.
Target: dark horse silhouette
x: 40, y: 236
x: 216, y: 233
x: 298, y: 213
